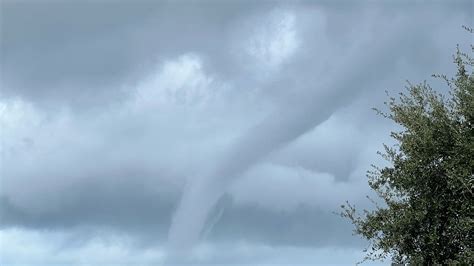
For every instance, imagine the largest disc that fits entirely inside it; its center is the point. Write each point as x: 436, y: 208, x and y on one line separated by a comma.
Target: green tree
x: 427, y: 191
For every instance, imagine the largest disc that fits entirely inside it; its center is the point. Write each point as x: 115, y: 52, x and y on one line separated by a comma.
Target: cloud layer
x: 237, y: 128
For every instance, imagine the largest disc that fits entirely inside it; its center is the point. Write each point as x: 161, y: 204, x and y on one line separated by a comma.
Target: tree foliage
x: 427, y: 215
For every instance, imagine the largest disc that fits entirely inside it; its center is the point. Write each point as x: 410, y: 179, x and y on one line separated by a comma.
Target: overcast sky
x: 202, y: 132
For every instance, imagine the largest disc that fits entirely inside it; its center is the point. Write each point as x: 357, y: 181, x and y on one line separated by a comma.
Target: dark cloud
x: 148, y: 218
x: 304, y: 226
x: 114, y: 114
x: 81, y: 52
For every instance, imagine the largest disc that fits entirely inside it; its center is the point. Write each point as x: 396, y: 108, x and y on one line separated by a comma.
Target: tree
x: 427, y: 215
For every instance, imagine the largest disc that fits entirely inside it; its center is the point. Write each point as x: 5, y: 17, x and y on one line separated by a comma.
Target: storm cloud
x: 233, y: 130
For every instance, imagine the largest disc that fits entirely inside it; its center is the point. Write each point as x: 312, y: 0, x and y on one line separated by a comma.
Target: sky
x: 202, y: 132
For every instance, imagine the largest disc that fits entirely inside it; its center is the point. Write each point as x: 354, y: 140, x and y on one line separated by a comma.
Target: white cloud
x: 265, y: 42
x: 17, y: 118
x: 274, y: 40
x: 178, y: 81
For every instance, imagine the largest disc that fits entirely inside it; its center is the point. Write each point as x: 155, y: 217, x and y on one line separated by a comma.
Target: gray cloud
x: 302, y: 112
x: 111, y: 112
x: 79, y: 53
